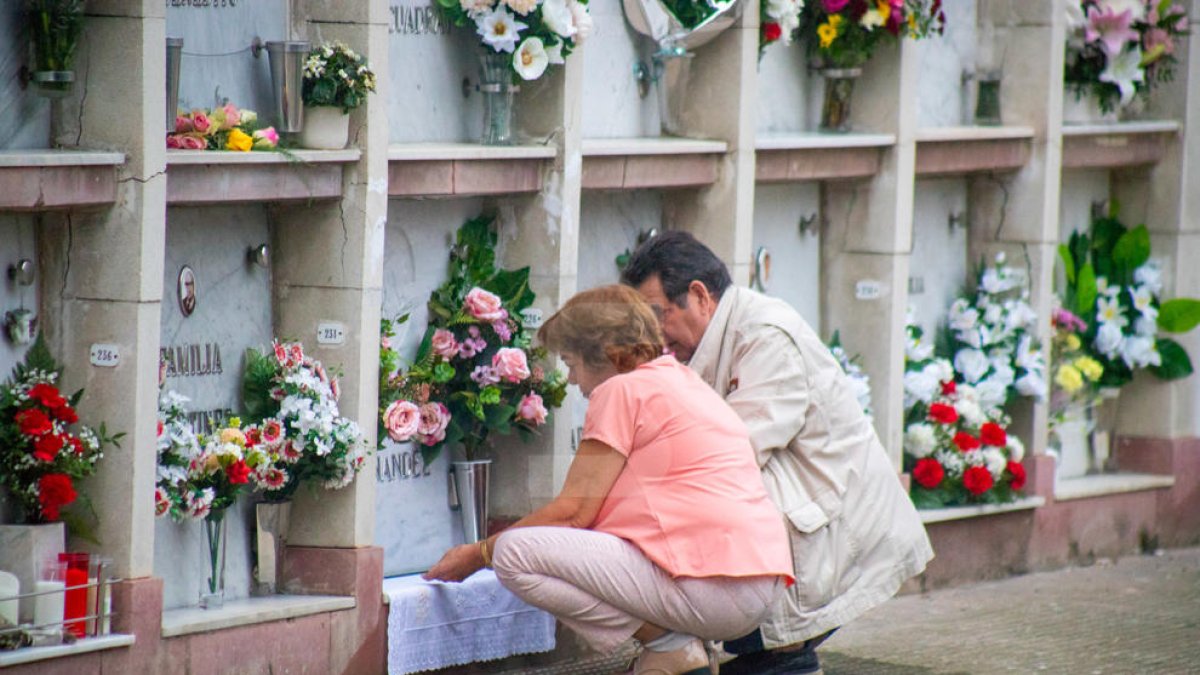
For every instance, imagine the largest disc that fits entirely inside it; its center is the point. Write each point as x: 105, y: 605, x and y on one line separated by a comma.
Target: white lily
x: 499, y: 29
x: 1125, y: 70
x: 1108, y: 311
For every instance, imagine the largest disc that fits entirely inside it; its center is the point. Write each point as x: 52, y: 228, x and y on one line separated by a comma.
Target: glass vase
x: 987, y: 100
x: 495, y: 83
x: 839, y: 91
x: 212, y: 596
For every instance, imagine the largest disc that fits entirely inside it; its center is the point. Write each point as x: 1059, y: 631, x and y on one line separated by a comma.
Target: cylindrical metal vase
x: 273, y: 520
x: 287, y: 83
x: 672, y: 66
x: 470, y: 485
x: 174, y: 58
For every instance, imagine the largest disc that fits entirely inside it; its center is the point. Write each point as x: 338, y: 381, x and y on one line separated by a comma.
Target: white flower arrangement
x: 538, y: 33
x: 860, y: 382
x: 992, y: 337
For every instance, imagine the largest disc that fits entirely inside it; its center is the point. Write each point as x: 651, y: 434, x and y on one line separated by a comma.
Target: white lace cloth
x: 435, y: 625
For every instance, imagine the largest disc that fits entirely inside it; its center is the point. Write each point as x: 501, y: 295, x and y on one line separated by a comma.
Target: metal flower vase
x: 672, y: 70
x: 287, y: 83
x: 273, y: 520
x: 839, y: 92
x: 174, y: 59
x: 212, y: 595
x: 469, y: 495
x: 496, y: 85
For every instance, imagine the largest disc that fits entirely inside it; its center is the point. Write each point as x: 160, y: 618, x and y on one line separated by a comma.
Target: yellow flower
x: 1069, y: 378
x: 827, y: 32
x: 1073, y: 342
x: 1090, y: 367
x: 239, y: 140
x: 234, y: 436
x: 885, y: 10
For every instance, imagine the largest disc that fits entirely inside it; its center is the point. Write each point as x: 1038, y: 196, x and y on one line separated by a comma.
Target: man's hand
x: 457, y: 564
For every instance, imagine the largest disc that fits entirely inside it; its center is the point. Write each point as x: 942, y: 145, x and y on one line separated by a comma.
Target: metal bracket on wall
x: 1099, y: 210
x: 808, y: 224
x: 956, y: 219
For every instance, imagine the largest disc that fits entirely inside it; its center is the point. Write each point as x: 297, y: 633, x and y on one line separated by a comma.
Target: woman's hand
x: 457, y: 564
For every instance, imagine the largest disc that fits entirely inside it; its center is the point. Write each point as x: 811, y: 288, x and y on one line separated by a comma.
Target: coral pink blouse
x: 690, y: 496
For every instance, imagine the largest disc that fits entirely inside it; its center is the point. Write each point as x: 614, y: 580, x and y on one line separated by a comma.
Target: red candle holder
x: 75, y: 605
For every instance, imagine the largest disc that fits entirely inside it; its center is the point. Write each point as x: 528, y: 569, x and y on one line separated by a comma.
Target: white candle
x: 10, y: 587
x: 92, y: 607
x: 48, y: 607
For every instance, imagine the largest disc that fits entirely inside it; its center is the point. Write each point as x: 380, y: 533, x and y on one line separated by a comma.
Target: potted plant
x: 476, y: 372
x: 54, y: 29
x: 1117, y: 51
x: 520, y: 38
x: 841, y: 35
x: 336, y: 81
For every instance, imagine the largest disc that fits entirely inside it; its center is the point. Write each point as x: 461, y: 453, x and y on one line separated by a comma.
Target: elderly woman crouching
x: 663, y: 530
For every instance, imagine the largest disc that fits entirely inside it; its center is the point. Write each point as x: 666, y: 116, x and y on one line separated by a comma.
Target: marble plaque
x: 429, y: 59
x: 217, y: 63
x: 17, y: 241
x: 614, y: 109
x: 942, y: 98
x: 206, y: 354
x: 413, y: 521
x: 795, y: 271
x: 24, y: 116
x: 939, y: 268
x: 788, y: 94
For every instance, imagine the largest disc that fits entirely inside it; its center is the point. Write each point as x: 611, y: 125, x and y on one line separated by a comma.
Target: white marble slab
x: 795, y: 273
x: 250, y: 611
x: 959, y: 134
x: 651, y: 145
x: 789, y: 94
x: 1079, y: 192
x: 818, y: 141
x: 943, y: 99
x: 1103, y: 484
x: 612, y: 107
x: 84, y: 646
x: 24, y: 115
x: 45, y: 158
x: 929, y: 516
x: 944, y: 269
x: 18, y: 240
x: 230, y: 157
x: 467, y: 151
x: 1138, y: 127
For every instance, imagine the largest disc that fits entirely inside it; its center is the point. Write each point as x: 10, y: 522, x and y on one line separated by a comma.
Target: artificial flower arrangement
x: 859, y: 380
x: 476, y: 371
x: 538, y: 33
x: 844, y: 33
x: 957, y: 449
x: 1120, y: 49
x: 41, y: 458
x: 778, y: 19
x: 291, y: 402
x: 992, y: 338
x: 224, y: 128
x: 1077, y: 374
x: 337, y: 76
x: 1113, y: 286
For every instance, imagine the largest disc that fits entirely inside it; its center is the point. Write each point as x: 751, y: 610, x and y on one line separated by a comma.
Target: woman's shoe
x: 692, y: 659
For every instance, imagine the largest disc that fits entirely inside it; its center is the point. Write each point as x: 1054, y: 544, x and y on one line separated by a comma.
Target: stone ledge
x: 816, y: 141
x: 83, y: 646
x: 653, y: 162
x: 964, y: 150
x: 42, y: 158
x: 651, y: 145
x: 408, y: 152
x: 1099, y: 485
x: 465, y: 169
x: 197, y: 177
x: 249, y: 611
x: 231, y: 157
x: 1112, y: 146
x: 48, y: 180
x: 929, y: 516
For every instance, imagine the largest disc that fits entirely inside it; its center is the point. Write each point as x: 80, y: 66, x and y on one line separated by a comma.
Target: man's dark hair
x: 678, y: 259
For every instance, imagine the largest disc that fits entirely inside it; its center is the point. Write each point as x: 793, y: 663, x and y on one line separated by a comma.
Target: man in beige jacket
x: 854, y: 532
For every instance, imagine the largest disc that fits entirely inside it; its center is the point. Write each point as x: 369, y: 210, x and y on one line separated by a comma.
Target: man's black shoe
x: 804, y: 662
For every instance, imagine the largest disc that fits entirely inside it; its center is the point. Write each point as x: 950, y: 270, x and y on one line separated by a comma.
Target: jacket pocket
x: 807, y: 518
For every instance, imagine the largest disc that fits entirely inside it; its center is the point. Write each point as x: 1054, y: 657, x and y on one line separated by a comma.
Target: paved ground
x: 1134, y: 615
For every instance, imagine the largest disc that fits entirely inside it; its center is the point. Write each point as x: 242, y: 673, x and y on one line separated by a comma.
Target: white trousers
x: 604, y: 588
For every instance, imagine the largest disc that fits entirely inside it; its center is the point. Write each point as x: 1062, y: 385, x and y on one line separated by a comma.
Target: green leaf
x: 490, y: 395
x: 926, y: 499
x: 1175, y: 361
x: 1179, y: 315
x: 443, y: 372
x: 499, y: 418
x: 1064, y: 254
x: 513, y: 288
x: 1131, y: 251
x: 1085, y: 292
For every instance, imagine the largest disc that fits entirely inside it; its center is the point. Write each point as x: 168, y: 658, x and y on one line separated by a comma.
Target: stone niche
x: 430, y: 60
x: 794, y: 271
x: 940, y: 270
x: 218, y: 64
x: 613, y: 108
x: 206, y: 355
x: 413, y: 520
x: 18, y: 241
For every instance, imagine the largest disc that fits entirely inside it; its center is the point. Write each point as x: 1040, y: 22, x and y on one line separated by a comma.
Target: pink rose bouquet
x: 476, y: 370
x: 224, y: 128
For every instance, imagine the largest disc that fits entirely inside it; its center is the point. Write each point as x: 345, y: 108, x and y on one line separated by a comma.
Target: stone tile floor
x: 1138, y: 614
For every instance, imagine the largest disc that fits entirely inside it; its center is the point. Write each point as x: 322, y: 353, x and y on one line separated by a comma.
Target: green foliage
x: 1176, y: 364
x: 334, y: 75
x: 257, y: 381
x: 1179, y: 315
x: 55, y: 27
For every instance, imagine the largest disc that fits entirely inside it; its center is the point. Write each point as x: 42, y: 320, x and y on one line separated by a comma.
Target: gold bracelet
x: 483, y: 551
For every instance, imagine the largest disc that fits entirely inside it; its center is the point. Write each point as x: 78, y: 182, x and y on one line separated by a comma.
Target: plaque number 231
x: 331, y: 333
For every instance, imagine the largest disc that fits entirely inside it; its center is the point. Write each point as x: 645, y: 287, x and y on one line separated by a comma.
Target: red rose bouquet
x: 959, y: 451
x: 43, y: 450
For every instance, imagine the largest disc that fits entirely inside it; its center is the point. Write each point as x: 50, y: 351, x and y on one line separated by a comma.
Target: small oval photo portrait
x: 187, y: 290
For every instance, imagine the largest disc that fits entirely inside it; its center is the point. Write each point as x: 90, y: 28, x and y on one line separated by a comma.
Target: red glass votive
x: 75, y: 603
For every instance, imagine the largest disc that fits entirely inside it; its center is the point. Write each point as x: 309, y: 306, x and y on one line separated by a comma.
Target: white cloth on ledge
x: 435, y: 625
